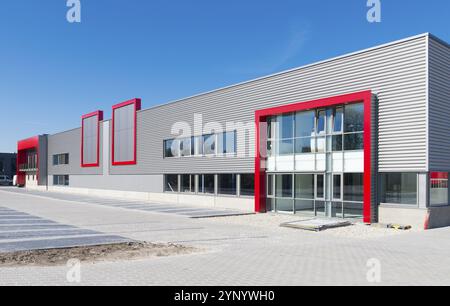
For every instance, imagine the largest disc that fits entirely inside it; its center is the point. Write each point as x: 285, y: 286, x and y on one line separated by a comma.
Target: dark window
x: 283, y: 186
x: 354, y: 118
x: 399, y: 188
x: 353, y: 187
x: 337, y: 143
x: 337, y: 187
x: 247, y: 184
x: 338, y: 120
x: 171, y: 183
x: 59, y: 159
x: 320, y: 186
x: 187, y: 183
x: 354, y: 141
x: 228, y: 184
x: 60, y: 180
x: 270, y: 192
x: 321, y: 122
x: 207, y: 184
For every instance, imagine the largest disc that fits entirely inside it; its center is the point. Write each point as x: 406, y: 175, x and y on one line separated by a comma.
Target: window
x: 337, y: 184
x: 353, y: 187
x: 438, y: 188
x: 320, y: 186
x: 171, y: 183
x: 283, y: 186
x: 247, y: 184
x: 304, y: 145
x: 60, y: 180
x: 354, y: 118
x: 227, y: 184
x: 320, y: 122
x: 304, y: 124
x: 207, y: 184
x: 171, y: 148
x: 285, y: 126
x: 399, y: 188
x: 227, y: 143
x: 304, y: 186
x: 354, y: 141
x: 186, y: 147
x: 338, y: 120
x: 60, y: 159
x: 270, y: 182
x: 209, y: 144
x: 187, y: 183
x: 198, y: 145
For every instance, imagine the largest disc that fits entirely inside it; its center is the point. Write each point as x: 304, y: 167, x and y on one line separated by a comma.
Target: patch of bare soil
x: 92, y: 254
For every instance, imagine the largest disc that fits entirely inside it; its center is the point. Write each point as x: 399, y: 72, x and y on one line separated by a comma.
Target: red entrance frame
x: 22, y: 147
x: 261, y: 117
x: 98, y: 114
x: 137, y: 107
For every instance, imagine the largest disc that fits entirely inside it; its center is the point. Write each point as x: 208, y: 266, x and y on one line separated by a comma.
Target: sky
x: 53, y: 71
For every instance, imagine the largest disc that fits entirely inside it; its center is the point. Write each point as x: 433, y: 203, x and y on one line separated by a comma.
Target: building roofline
x: 423, y: 35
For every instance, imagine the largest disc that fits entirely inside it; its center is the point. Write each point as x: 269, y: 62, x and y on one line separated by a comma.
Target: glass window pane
x: 354, y: 142
x: 353, y: 187
x: 337, y: 143
x: 185, y: 147
x: 228, y: 184
x: 270, y: 185
x: 271, y: 123
x: 304, y: 124
x: 286, y: 126
x: 186, y: 183
x: 320, y: 186
x: 209, y: 144
x: 304, y: 206
x: 304, y: 186
x: 337, y: 187
x: 284, y: 205
x: 283, y: 186
x: 304, y: 145
x: 399, y: 188
x: 353, y: 210
x: 321, y: 122
x: 207, y: 184
x: 354, y: 118
x: 171, y: 183
x: 338, y: 120
x: 286, y: 147
x: 247, y: 185
x: 439, y: 188
x: 227, y: 142
x: 320, y: 144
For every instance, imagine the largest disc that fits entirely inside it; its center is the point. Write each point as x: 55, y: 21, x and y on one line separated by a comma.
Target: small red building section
x: 27, y: 159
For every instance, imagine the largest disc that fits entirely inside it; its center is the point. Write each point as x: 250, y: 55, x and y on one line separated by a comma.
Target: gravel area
x: 92, y: 254
x: 357, y: 231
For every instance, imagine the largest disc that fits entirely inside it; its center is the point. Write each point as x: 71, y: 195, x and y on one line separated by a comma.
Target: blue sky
x: 52, y: 72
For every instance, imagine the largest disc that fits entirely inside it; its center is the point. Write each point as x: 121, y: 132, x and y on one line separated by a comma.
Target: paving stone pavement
x: 182, y: 210
x: 241, y: 254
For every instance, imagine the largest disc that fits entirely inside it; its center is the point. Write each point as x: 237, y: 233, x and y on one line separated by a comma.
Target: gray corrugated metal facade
x: 439, y: 106
x: 402, y: 75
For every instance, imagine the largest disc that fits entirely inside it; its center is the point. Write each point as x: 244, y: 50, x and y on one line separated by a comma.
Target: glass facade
x: 439, y: 188
x: 399, y: 188
x: 307, y: 142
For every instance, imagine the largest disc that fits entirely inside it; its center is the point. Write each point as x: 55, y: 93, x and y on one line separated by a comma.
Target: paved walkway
x: 235, y: 253
x: 182, y: 210
x: 21, y: 232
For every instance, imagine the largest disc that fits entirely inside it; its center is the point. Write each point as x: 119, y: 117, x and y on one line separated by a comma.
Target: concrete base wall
x: 419, y: 219
x: 241, y: 204
x: 439, y: 217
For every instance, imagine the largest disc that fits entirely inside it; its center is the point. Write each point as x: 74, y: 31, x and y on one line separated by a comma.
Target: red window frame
x: 137, y: 107
x: 261, y: 117
x: 98, y: 114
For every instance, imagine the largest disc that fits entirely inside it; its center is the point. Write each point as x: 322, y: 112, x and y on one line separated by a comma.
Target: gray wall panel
x: 439, y: 109
x: 397, y: 73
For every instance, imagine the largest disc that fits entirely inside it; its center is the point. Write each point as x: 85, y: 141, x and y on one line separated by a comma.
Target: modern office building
x: 8, y: 164
x: 364, y: 135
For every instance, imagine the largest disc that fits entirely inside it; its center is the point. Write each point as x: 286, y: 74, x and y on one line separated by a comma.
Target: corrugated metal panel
x: 69, y: 142
x: 439, y: 106
x: 124, y: 133
x: 397, y: 73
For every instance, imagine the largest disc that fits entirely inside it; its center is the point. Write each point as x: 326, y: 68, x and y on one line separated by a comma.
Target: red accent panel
x: 261, y: 116
x: 98, y: 114
x: 137, y: 107
x: 439, y: 175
